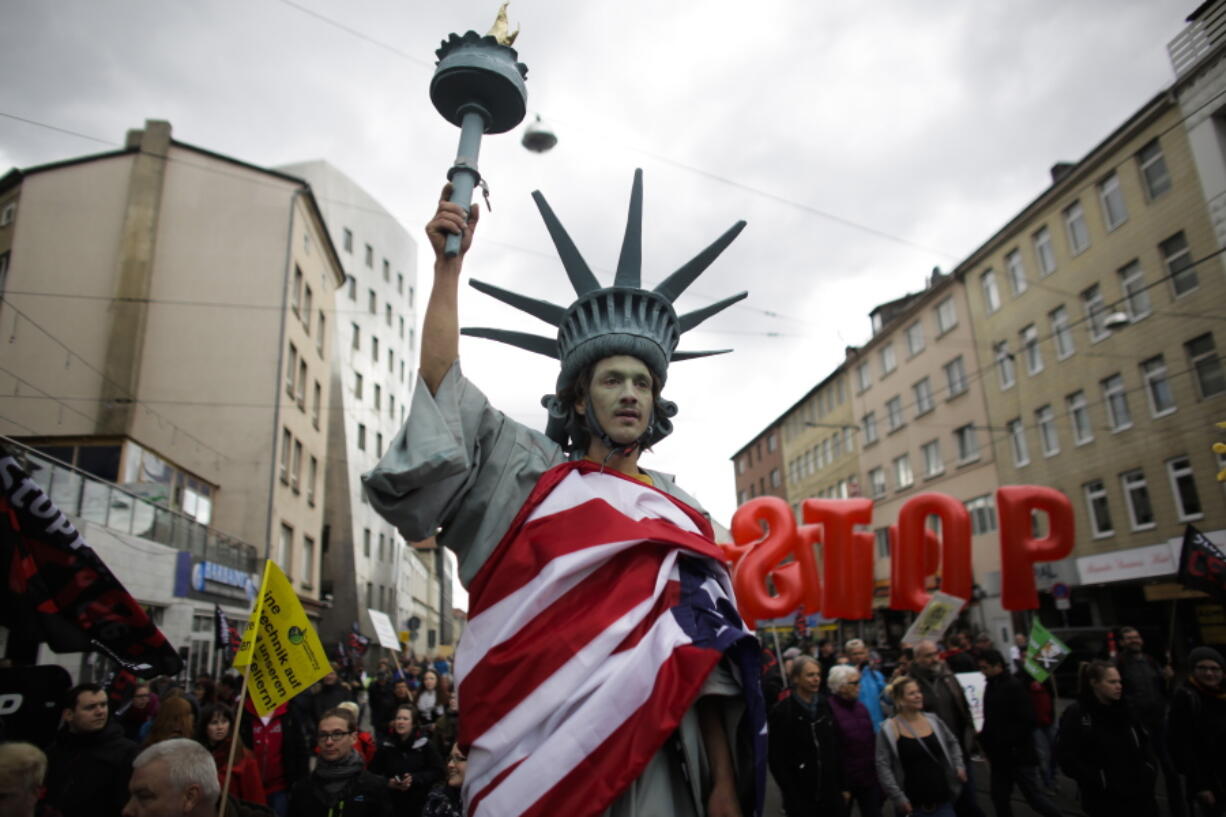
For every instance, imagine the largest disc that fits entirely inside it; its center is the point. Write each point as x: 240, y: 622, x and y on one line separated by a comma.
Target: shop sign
x: 213, y: 579
x: 1125, y: 565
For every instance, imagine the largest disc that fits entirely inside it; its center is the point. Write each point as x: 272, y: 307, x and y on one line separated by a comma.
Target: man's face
x: 89, y: 714
x: 621, y: 398
x: 810, y: 680
x: 335, y: 739
x: 858, y: 655
x: 1131, y: 640
x: 990, y: 670
x: 926, y: 656
x: 153, y: 796
x: 141, y: 698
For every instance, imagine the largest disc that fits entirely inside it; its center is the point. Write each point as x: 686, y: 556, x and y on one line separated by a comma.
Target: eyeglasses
x: 851, y: 683
x: 329, y: 737
x: 1208, y: 668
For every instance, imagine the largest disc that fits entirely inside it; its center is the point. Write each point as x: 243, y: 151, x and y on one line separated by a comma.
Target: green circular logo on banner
x: 296, y: 635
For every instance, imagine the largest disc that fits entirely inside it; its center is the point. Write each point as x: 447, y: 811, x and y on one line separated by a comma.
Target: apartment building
x: 1098, y: 313
x: 924, y: 427
x: 819, y: 443
x: 170, y: 331
x: 759, y: 467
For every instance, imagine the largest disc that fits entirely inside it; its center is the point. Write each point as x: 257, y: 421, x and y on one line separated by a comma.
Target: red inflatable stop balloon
x: 1019, y: 551
x: 846, y: 555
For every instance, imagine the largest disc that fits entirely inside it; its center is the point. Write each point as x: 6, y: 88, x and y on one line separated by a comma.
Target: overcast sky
x: 865, y: 143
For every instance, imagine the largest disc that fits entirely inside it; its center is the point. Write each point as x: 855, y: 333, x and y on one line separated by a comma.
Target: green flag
x: 1044, y: 653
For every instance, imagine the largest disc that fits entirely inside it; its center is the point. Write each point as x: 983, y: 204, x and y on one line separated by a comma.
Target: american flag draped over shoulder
x: 592, y: 628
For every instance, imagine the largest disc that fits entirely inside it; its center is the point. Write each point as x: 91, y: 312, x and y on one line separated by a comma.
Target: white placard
x: 973, y: 686
x: 932, y: 622
x: 384, y: 631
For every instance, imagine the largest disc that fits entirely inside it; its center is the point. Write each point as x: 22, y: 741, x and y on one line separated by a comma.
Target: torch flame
x: 500, y: 32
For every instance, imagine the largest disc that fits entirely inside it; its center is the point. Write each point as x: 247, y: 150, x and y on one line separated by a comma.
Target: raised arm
x: 440, y: 332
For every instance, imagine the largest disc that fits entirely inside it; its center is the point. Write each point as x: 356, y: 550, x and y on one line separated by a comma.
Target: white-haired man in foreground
x: 174, y: 778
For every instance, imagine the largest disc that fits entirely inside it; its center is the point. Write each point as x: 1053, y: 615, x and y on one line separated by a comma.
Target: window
x: 1031, y: 350
x: 870, y: 427
x: 888, y: 362
x: 1096, y: 313
x: 882, y: 537
x: 991, y: 291
x: 903, y: 477
x: 1206, y: 365
x: 374, y: 349
x: 300, y: 394
x: 1005, y: 368
x: 967, y: 442
x: 1154, y: 175
x: 357, y: 336
x: 876, y: 481
x: 8, y: 214
x: 312, y: 476
x: 370, y: 256
x: 372, y: 302
x: 285, y: 550
x: 387, y: 270
x: 351, y: 287
x: 915, y: 339
x: 849, y: 442
x: 947, y: 317
x: 319, y: 339
x: 923, y: 397
x: 982, y: 510
x: 295, y: 295
x: 776, y: 479
x: 308, y: 304
x: 382, y: 551
x: 1099, y: 510
x: 1136, y: 497
x: 287, y: 445
x: 391, y: 361
x: 955, y: 375
x: 291, y: 369
x: 347, y: 239
x: 1060, y: 332
x: 308, y: 561
x: 378, y: 397
x: 1045, y: 417
x: 1109, y: 193
x: 316, y: 399
x: 863, y: 378
x: 1075, y: 226
x: 1043, y: 250
x: 295, y: 475
x: 378, y: 443
x: 1158, y: 389
x: 1017, y: 273
x: 370, y: 595
x: 410, y: 297
x: 933, y: 465
x: 401, y: 330
x: 1116, y: 400
x: 391, y: 406
x: 1079, y: 417
x: 366, y: 542
x: 1136, y: 296
x: 1179, y: 267
x: 357, y: 385
x: 361, y: 436
x: 893, y: 408
x: 1017, y: 441
x: 772, y: 442
x: 400, y: 282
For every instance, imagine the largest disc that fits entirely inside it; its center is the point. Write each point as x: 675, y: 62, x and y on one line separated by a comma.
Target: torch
x: 478, y: 85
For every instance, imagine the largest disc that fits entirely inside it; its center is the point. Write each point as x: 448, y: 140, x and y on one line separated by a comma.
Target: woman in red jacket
x: 216, y: 731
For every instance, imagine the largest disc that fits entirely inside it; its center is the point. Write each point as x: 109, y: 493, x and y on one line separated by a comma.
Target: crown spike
x: 551, y: 314
x: 692, y: 355
x: 672, y: 286
x: 630, y: 263
x: 691, y: 319
x: 531, y: 343
x: 581, y: 277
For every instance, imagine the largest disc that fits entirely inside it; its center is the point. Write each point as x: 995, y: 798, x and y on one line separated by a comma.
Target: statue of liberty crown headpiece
x: 623, y: 319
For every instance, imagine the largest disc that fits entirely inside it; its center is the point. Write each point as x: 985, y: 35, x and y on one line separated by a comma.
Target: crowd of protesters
x: 843, y: 740
x: 380, y: 745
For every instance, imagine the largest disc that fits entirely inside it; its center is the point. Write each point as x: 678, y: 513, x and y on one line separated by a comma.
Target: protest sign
x: 1044, y: 653
x: 940, y: 612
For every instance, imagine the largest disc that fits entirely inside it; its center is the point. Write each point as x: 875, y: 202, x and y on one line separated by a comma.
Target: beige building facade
x: 170, y: 324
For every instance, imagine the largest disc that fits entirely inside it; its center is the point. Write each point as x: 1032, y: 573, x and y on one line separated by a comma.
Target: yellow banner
x: 280, y: 645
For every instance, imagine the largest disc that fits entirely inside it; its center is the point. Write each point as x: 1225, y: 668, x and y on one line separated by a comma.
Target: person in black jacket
x: 1008, y: 738
x: 1197, y: 731
x: 340, y: 783
x: 801, y: 751
x: 89, y: 763
x: 1103, y: 746
x: 409, y: 761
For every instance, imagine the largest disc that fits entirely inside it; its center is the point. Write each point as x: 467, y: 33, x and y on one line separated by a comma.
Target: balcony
x: 1205, y: 33
x: 85, y: 497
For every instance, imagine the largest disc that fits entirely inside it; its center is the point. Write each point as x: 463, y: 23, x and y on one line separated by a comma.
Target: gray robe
x: 460, y: 470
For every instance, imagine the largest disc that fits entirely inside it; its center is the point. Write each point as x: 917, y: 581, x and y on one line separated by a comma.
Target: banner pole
x: 235, y: 737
